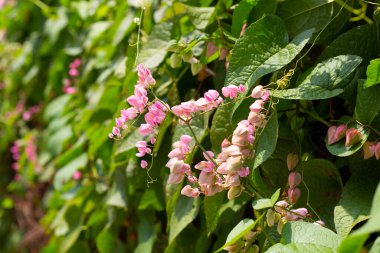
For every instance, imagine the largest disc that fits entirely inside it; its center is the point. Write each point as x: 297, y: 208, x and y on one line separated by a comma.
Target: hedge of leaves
x: 258, y: 126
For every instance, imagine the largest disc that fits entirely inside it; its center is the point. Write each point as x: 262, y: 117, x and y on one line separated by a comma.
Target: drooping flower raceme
x: 155, y: 113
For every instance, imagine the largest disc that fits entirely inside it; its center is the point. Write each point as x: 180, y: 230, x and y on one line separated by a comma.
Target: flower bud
x: 294, y: 179
x: 334, y: 134
x: 294, y: 194
x: 369, y: 149
x: 292, y: 161
x: 377, y: 151
x: 296, y: 214
x: 234, y: 192
x: 353, y: 136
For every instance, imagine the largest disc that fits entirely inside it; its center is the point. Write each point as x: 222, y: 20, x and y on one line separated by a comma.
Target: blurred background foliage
x: 66, y: 187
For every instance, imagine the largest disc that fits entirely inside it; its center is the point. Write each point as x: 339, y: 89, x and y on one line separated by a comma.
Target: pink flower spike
x: 294, y: 179
x: 353, y: 136
x: 143, y: 164
x: 77, y: 175
x: 257, y: 106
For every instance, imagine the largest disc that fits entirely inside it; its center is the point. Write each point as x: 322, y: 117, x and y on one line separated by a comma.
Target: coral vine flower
x: 143, y: 164
x: 232, y: 91
x: 292, y: 161
x: 294, y: 179
x: 77, y: 175
x: 353, y: 136
x: 145, y: 77
x: 369, y: 149
x: 142, y: 148
x: 190, y: 192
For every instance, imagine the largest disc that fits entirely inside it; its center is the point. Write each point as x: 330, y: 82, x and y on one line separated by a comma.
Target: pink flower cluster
x: 225, y: 170
x: 371, y: 149
x: 16, y: 154
x: 139, y: 102
x: 73, y: 73
x: 336, y: 133
x: 31, y: 153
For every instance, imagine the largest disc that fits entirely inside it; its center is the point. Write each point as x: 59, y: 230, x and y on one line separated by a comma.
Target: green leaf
x: 323, y: 80
x: 212, y: 205
x: 373, y: 73
x: 106, y: 240
x: 324, y: 187
x: 367, y: 103
x: 222, y: 126
x: 373, y: 224
x: 240, y: 230
x: 146, y: 234
x: 339, y: 148
x: 266, y: 203
x: 117, y: 195
x: 352, y: 244
x: 300, y: 15
x: 66, y: 172
x: 355, y: 204
x: 376, y: 246
x: 266, y: 141
x: 241, y: 14
x: 200, y: 16
x: 154, y: 51
x: 299, y: 236
x: 185, y: 211
x: 263, y: 49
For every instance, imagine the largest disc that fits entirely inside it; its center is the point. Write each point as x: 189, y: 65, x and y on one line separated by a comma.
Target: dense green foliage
x: 65, y: 186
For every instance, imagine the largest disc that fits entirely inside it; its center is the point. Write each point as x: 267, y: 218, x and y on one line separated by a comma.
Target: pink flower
x: 334, y: 134
x: 260, y: 92
x: 231, y: 91
x: 353, y: 136
x: 139, y: 99
x: 243, y: 172
x: 190, y: 192
x: 119, y: 122
x: 75, y: 64
x: 110, y: 135
x: 73, y: 72
x: 145, y: 77
x: 296, y: 214
x: 116, y: 131
x: 142, y: 148
x: 156, y: 114
x: 292, y: 161
x: 144, y: 164
x: 69, y: 90
x: 212, y: 96
x: 128, y: 114
x: 294, y: 179
x: 294, y: 194
x: 145, y: 129
x: 280, y: 206
x: 257, y: 106
x: 77, y: 175
x: 152, y: 140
